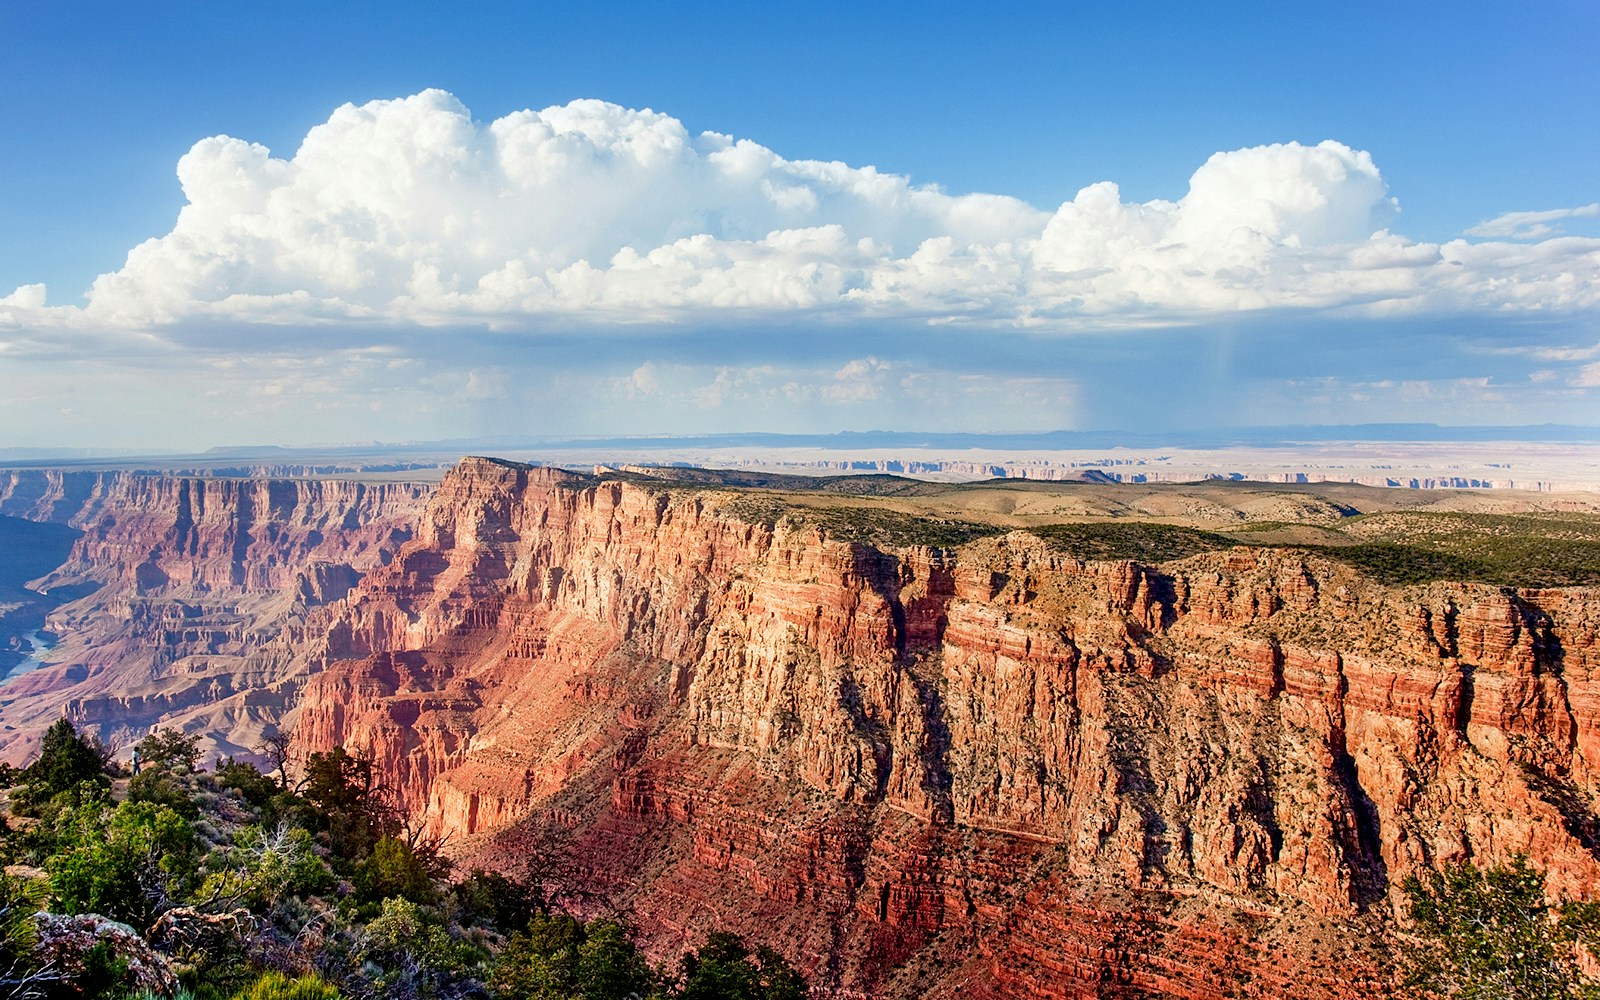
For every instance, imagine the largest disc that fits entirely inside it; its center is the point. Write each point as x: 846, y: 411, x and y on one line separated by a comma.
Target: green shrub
x: 413, y: 953
x: 393, y: 869
x: 277, y: 986
x: 103, y: 973
x: 540, y: 963
x: 168, y: 750
x: 244, y: 777
x: 263, y: 867
x: 121, y: 865
x: 163, y: 788
x: 726, y: 968
x: 495, y: 900
x: 609, y: 965
x: 19, y: 901
x: 350, y: 803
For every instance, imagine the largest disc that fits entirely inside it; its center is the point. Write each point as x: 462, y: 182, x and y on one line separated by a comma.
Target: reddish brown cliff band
x: 995, y: 769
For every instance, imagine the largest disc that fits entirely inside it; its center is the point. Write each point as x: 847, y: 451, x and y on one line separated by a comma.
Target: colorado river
x: 29, y: 551
x: 38, y: 643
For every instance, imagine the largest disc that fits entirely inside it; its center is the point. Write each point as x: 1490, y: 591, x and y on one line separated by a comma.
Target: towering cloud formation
x: 409, y: 211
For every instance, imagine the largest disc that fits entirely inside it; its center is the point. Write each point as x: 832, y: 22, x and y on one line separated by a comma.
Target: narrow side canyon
x: 183, y: 601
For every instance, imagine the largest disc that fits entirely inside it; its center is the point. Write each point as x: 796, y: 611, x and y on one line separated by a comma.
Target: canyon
x: 179, y: 599
x: 918, y: 742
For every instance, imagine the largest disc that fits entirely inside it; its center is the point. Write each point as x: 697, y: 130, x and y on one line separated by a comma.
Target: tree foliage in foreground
x: 68, y: 765
x: 235, y: 885
x: 1489, y: 934
x: 728, y: 969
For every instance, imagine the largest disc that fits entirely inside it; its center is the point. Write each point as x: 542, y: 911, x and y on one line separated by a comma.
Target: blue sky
x: 1000, y: 314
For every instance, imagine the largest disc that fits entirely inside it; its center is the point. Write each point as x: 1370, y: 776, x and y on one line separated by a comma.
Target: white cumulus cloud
x: 411, y: 212
x: 25, y: 297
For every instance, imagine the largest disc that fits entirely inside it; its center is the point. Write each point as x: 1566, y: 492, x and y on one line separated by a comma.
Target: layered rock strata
x: 993, y: 770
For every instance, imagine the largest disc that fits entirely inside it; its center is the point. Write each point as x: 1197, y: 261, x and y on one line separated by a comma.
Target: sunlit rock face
x: 992, y: 770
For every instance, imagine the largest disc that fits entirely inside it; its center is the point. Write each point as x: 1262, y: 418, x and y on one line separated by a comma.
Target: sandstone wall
x: 989, y: 771
x: 48, y: 494
x: 1187, y: 780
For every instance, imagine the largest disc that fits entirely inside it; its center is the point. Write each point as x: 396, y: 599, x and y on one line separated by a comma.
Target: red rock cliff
x: 993, y: 770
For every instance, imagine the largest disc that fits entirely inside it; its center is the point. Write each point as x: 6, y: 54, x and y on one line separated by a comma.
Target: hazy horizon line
x: 1204, y: 438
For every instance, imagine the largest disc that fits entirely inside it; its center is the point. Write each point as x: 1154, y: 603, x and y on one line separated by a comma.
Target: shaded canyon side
x: 184, y: 601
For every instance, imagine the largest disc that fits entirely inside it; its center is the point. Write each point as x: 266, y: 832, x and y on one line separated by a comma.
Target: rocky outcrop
x: 186, y: 600
x: 923, y: 768
x: 167, y: 535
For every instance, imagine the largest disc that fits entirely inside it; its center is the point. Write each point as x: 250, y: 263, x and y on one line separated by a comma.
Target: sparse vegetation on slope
x: 1399, y: 565
x: 1140, y: 541
x: 1518, y: 550
x: 864, y: 524
x: 1506, y: 550
x: 1398, y: 548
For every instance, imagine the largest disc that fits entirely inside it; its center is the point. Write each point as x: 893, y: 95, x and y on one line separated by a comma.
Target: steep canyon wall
x: 185, y: 598
x: 995, y: 769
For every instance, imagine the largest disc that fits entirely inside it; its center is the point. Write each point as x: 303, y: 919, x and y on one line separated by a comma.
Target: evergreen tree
x: 393, y: 870
x: 67, y: 763
x: 1490, y: 935
x: 726, y: 969
x: 344, y: 789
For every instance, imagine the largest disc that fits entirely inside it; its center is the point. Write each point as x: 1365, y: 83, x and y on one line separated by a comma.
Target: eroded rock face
x: 188, y: 599
x: 991, y: 771
x: 924, y: 769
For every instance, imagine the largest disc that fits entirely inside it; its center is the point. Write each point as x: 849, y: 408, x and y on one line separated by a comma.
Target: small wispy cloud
x: 873, y: 391
x: 1532, y: 225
